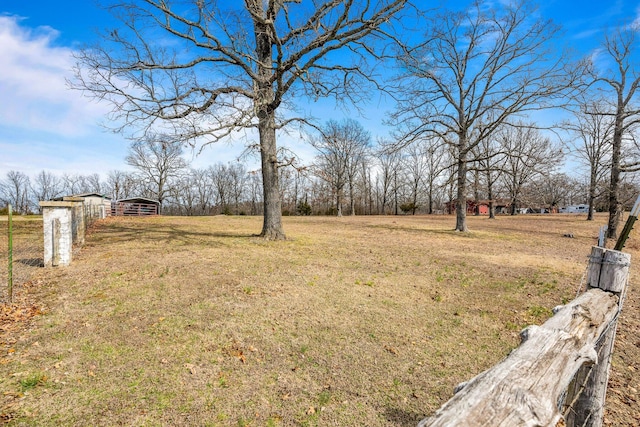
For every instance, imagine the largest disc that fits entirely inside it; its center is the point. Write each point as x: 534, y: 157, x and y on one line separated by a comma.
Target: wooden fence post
x: 608, y: 270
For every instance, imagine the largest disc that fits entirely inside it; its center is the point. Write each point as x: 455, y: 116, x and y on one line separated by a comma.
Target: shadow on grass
x: 447, y: 231
x: 401, y: 417
x: 494, y: 226
x: 31, y: 262
x: 165, y: 233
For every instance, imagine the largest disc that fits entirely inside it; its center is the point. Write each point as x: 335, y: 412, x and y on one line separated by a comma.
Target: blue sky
x: 44, y: 125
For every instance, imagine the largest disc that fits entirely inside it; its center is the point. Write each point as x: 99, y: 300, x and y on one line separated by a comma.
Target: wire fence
x: 22, y: 247
x: 21, y: 252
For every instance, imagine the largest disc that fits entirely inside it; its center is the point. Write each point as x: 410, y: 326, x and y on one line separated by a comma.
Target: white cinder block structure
x: 63, y: 224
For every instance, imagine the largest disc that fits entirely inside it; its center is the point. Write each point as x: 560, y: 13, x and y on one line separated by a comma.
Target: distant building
x: 135, y: 206
x: 96, y: 205
x: 500, y: 206
x: 575, y: 209
x: 481, y: 207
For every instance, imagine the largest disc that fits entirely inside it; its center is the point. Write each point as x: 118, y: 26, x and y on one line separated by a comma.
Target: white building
x: 575, y: 209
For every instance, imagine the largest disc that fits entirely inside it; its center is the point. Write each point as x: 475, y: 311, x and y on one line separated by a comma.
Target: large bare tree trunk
x: 476, y: 192
x: 492, y: 203
x: 352, y: 198
x: 264, y: 102
x: 615, y: 207
x: 593, y: 183
x: 272, y: 223
x: 461, y: 205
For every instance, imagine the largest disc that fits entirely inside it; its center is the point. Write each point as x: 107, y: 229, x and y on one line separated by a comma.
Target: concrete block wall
x: 62, y: 223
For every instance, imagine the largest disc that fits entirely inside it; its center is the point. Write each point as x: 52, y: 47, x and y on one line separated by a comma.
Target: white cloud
x: 33, y: 85
x: 43, y: 124
x: 46, y: 126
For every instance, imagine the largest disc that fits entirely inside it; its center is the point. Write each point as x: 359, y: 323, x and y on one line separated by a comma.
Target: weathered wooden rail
x: 559, y: 373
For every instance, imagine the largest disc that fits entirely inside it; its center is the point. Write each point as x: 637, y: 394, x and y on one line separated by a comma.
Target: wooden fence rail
x: 560, y: 370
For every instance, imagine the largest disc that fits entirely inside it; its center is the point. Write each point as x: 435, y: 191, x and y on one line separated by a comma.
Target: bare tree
x: 389, y: 162
x: 366, y: 184
x: 342, y: 146
x: 288, y: 190
x: 490, y: 159
x: 121, y: 184
x: 46, y: 186
x: 294, y: 188
x: 593, y: 130
x: 530, y: 155
x: 203, y: 186
x: 93, y: 184
x: 220, y: 180
x: 235, y: 66
x: 554, y: 190
x: 474, y: 72
x: 14, y: 190
x: 415, y: 165
x: 255, y: 195
x: 623, y: 79
x: 190, y: 193
x: 156, y: 162
x: 73, y: 183
x: 437, y: 161
x: 238, y: 178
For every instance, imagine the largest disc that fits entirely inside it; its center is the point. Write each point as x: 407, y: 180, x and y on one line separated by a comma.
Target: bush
x: 408, y: 207
x: 304, y: 208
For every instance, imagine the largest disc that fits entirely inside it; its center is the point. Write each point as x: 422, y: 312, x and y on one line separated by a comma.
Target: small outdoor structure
x: 96, y: 205
x: 480, y: 207
x: 63, y: 223
x: 575, y: 209
x: 135, y: 206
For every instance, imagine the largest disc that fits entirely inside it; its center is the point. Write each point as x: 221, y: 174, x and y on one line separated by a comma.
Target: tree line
x: 466, y: 84
x: 519, y: 171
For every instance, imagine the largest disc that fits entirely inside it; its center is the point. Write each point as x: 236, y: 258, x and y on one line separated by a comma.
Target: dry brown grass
x: 353, y: 321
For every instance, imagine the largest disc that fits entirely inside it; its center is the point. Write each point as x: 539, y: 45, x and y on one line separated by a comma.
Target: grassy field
x: 353, y: 321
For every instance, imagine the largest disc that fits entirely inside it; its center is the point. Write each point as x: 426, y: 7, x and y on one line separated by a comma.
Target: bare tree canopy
x: 46, y: 186
x: 475, y: 71
x: 592, y: 130
x: 342, y: 146
x: 156, y: 163
x: 203, y: 71
x: 621, y: 79
x: 14, y: 191
x: 530, y: 155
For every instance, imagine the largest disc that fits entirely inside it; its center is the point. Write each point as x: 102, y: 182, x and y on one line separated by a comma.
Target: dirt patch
x: 353, y: 321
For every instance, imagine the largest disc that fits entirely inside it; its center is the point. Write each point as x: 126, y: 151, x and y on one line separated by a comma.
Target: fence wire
x: 92, y: 213
x: 577, y: 392
x: 27, y: 254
